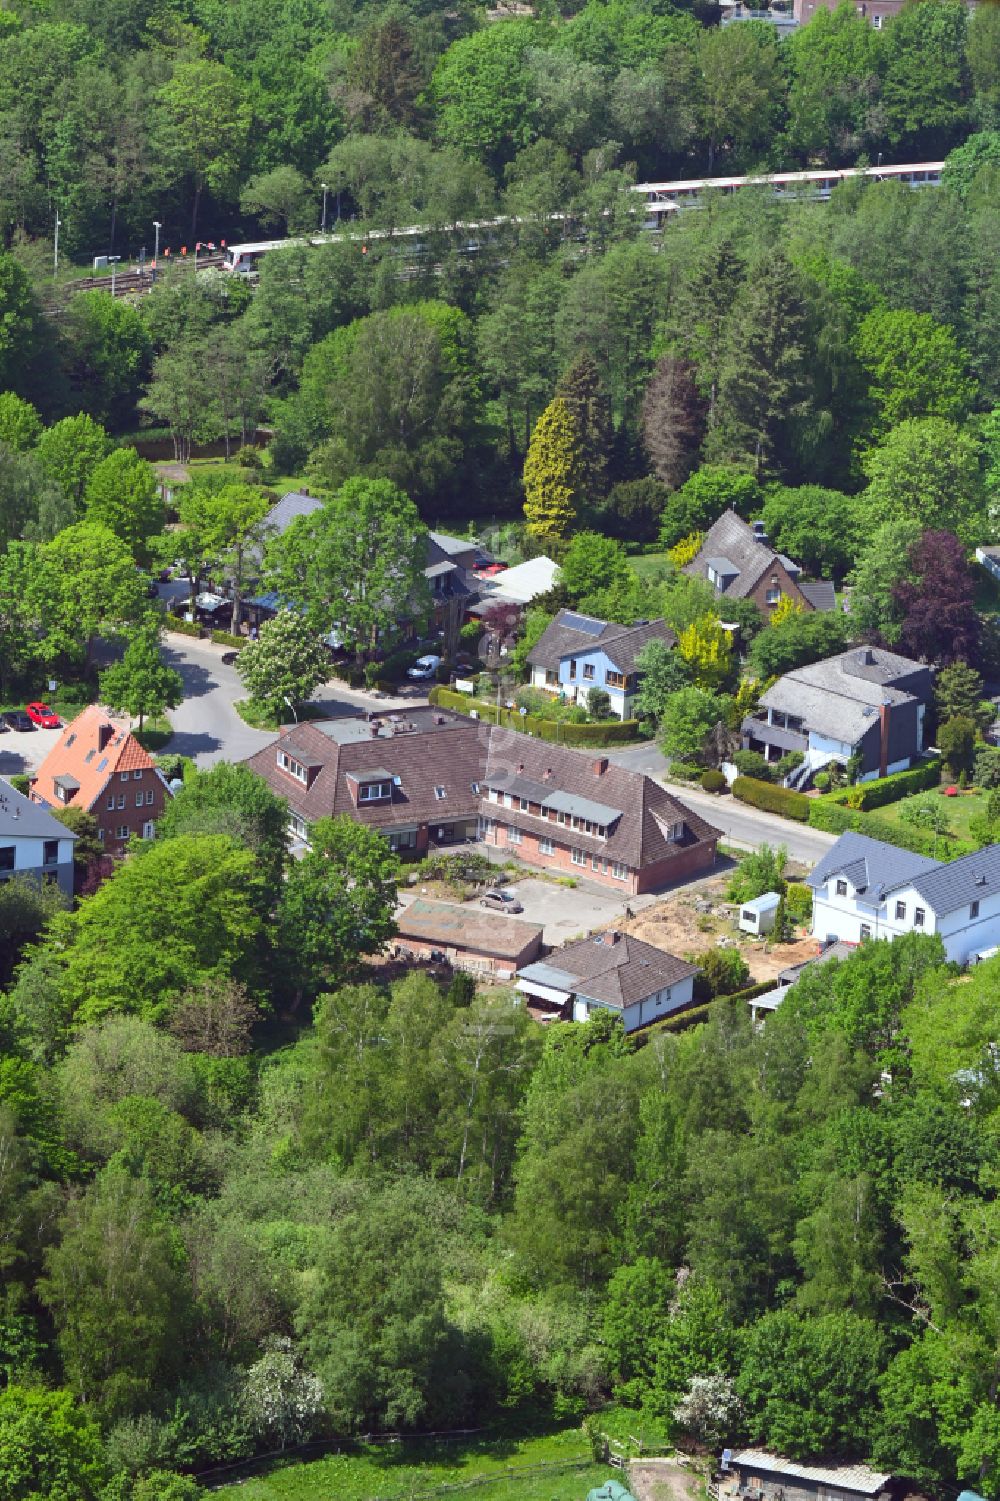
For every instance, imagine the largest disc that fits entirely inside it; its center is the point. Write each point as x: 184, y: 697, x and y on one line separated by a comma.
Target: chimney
x: 373, y: 729
x: 867, y: 657
x: 304, y: 491
x: 547, y: 774
x: 520, y: 768
x: 883, y: 756
x: 104, y: 734
x: 611, y: 937
x: 599, y: 766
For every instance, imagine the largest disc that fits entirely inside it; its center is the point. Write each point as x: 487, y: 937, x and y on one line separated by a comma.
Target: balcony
x: 759, y: 731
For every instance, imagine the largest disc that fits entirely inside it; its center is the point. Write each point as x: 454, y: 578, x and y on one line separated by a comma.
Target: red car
x: 42, y: 715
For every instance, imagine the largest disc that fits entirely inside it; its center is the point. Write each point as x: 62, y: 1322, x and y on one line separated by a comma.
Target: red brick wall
x: 693, y: 861
x: 786, y: 584
x: 111, y: 819
x: 560, y: 861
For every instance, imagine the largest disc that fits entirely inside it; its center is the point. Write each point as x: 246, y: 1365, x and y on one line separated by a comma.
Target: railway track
x: 131, y: 283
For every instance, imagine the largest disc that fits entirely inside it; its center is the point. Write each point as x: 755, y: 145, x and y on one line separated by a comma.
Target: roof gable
x: 90, y: 751
x: 871, y: 867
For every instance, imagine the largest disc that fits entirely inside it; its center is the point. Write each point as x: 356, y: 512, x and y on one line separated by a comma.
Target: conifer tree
x: 551, y: 469
x: 582, y: 389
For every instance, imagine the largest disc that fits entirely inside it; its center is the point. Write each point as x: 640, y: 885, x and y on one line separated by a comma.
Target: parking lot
x: 22, y: 751
x: 565, y: 912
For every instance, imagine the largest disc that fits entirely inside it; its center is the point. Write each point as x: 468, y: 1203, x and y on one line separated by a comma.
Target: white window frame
x: 618, y: 871
x: 546, y: 846
x: 514, y: 836
x: 578, y: 857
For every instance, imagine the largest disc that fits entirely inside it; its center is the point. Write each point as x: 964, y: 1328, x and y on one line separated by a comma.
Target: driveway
x: 206, y: 725
x: 565, y: 912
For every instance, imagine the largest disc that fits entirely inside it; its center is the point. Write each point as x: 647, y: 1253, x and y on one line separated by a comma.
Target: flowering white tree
x: 709, y: 1409
x: 282, y: 1400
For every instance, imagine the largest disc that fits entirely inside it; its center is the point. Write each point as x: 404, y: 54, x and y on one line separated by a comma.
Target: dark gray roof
x: 956, y: 884
x: 293, y: 503
x: 20, y: 818
x: 438, y: 570
x: 840, y: 696
x: 820, y: 593
x: 872, y: 867
x: 731, y: 543
x: 624, y: 648
x: 452, y: 547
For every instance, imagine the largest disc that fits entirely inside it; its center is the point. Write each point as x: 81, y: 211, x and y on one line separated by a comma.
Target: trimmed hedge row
x: 833, y: 818
x: 890, y: 789
x: 611, y: 732
x: 226, y: 638
x: 771, y: 798
x: 183, y: 627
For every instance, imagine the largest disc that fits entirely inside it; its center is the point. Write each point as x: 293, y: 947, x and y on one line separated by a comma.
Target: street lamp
x: 156, y: 249
x: 55, y: 250
x: 323, y: 221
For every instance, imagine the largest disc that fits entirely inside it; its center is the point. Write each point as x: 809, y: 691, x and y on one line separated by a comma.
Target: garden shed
x: 759, y: 916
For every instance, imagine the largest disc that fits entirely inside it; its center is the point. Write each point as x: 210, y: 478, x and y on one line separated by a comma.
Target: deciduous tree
x: 141, y: 683
x: 284, y: 666
x: 122, y: 494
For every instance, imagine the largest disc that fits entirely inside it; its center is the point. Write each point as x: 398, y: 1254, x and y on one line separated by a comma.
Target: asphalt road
x: 741, y: 825
x: 207, y: 726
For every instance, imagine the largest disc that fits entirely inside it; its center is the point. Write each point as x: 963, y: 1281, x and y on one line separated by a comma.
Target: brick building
x: 739, y: 563
x: 97, y: 764
x: 433, y: 778
x: 485, y: 943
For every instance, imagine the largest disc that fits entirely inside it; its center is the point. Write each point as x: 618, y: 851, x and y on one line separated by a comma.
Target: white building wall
x: 28, y: 859
x: 962, y: 935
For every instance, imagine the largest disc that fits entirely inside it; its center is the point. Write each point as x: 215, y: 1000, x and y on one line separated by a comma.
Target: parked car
x: 42, y: 715
x: 501, y: 901
x: 16, y: 719
x: 424, y: 667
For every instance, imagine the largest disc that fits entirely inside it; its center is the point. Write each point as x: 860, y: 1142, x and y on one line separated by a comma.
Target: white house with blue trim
x: 577, y: 653
x: 864, y: 889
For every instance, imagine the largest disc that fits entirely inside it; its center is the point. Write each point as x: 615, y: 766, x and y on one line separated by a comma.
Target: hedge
x: 184, y: 627
x: 772, y: 799
x: 834, y: 818
x: 713, y: 781
x: 609, y: 732
x: 226, y: 638
x: 884, y: 790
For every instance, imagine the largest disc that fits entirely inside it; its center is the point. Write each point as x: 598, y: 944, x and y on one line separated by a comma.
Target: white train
x: 661, y: 200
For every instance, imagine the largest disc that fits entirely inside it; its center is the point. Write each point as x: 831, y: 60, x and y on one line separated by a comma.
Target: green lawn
x: 649, y: 564
x: 958, y: 810
x: 390, y: 1473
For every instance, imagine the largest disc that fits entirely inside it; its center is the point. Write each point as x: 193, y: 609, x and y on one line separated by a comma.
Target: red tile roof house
x: 430, y: 777
x: 98, y: 765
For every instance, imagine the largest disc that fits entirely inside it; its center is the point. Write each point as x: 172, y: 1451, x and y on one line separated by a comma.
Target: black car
x: 16, y: 719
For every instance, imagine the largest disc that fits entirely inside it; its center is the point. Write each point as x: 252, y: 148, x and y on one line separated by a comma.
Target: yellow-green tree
x: 551, y: 475
x: 686, y: 550
x: 706, y: 648
x: 785, y: 607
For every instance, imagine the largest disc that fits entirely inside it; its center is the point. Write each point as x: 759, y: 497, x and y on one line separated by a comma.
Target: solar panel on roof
x: 102, y: 763
x: 583, y: 623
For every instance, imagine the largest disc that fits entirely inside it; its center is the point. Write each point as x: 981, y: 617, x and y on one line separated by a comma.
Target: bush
x: 226, y: 638
x: 821, y: 781
x: 751, y: 763
x: 713, y: 781
x: 986, y: 767
x: 884, y: 790
x: 789, y: 762
x: 599, y: 704
x: 780, y: 800
x: 723, y: 972
x: 20, y: 782
x: 686, y: 771
x: 799, y: 903
x: 471, y: 632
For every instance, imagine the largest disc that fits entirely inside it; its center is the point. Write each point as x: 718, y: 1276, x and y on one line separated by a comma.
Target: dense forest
x: 417, y: 1210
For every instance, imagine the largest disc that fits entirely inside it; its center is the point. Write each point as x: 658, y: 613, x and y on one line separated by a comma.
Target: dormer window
x: 374, y: 792
x: 841, y: 888
x: 293, y: 768
x: 440, y: 793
